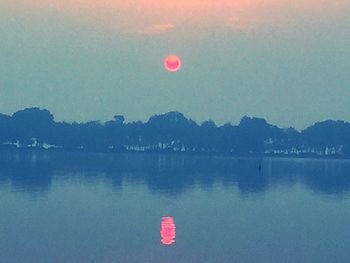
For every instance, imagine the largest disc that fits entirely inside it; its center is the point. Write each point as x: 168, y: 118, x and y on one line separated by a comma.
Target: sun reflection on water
x: 168, y: 230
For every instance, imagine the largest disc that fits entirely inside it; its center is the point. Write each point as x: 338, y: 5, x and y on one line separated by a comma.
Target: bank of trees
x: 172, y: 131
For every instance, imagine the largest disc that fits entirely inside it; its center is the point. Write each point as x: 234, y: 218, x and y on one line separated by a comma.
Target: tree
x: 32, y: 123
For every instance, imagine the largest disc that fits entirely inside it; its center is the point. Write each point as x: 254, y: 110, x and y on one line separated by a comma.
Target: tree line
x: 173, y: 132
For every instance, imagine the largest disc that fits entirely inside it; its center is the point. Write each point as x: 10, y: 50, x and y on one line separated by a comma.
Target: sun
x: 172, y: 63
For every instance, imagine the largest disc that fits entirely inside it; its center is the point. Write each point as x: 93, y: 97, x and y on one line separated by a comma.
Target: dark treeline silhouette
x: 172, y: 131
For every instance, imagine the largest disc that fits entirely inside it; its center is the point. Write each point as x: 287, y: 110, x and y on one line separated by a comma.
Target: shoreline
x: 180, y: 153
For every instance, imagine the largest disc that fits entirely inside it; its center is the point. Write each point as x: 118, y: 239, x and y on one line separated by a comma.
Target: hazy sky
x: 284, y: 60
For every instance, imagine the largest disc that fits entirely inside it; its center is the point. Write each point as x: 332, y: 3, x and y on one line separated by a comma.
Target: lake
x: 82, y: 207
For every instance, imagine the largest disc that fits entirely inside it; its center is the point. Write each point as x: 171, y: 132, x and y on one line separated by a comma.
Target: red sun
x: 172, y: 63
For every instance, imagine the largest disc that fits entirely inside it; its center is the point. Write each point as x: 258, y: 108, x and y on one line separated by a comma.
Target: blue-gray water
x: 59, y: 207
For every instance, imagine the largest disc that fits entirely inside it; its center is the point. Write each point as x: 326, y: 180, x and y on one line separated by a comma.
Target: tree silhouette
x: 172, y: 131
x: 32, y: 123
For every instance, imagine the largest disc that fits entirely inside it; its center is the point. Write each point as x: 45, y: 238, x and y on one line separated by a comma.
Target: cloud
x: 161, y: 16
x: 243, y: 23
x: 155, y: 29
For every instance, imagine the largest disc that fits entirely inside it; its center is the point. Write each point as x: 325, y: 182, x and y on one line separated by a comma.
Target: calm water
x: 57, y: 207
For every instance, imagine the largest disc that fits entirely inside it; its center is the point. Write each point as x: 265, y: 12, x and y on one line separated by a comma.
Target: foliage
x: 172, y: 131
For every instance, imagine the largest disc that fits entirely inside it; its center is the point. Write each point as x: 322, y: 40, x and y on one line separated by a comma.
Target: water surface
x: 74, y: 207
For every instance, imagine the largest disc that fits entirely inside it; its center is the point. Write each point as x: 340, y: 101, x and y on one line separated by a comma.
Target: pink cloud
x: 164, y: 15
x: 243, y: 23
x: 153, y: 29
